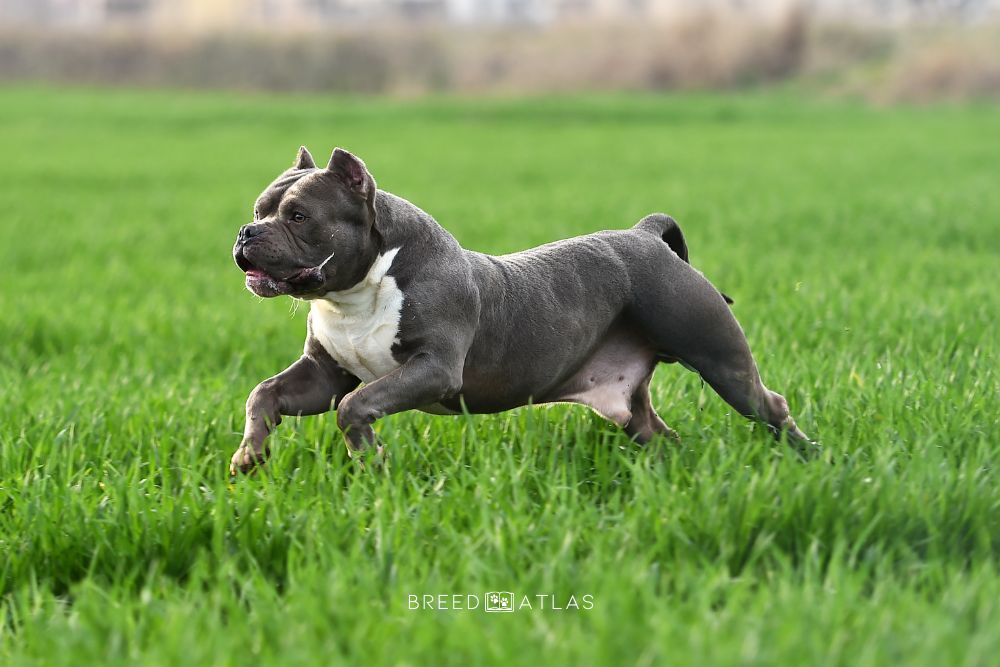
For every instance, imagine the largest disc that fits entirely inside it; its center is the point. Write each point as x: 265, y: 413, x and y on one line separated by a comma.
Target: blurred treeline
x: 701, y: 50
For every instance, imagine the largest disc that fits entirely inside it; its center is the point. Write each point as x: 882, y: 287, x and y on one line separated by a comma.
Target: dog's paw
x: 374, y: 459
x: 247, y: 459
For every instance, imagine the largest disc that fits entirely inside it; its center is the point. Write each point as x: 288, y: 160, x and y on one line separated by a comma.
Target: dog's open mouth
x: 263, y: 284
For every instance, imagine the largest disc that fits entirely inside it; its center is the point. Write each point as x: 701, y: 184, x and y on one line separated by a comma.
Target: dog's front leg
x: 310, y: 386
x: 425, y: 378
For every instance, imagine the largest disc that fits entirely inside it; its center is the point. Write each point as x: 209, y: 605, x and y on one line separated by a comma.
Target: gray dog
x: 401, y: 317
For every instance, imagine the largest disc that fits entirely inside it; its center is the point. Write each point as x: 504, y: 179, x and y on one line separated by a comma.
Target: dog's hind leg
x: 687, y: 319
x: 737, y: 381
x: 645, y: 424
x: 721, y: 355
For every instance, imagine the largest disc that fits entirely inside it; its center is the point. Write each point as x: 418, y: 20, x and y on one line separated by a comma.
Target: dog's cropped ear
x: 350, y: 170
x: 304, y: 160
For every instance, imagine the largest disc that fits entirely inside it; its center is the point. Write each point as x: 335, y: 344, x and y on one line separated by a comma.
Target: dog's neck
x: 398, y: 220
x: 367, y: 293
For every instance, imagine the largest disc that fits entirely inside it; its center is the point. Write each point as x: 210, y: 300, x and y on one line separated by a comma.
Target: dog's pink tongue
x: 256, y: 273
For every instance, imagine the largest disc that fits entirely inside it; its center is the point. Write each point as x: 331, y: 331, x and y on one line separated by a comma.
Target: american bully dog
x: 401, y: 317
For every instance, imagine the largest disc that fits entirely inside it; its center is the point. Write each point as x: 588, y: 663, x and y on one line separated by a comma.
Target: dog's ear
x: 304, y: 160
x: 350, y: 170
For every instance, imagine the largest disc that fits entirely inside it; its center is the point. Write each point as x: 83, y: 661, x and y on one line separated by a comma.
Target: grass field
x: 861, y: 246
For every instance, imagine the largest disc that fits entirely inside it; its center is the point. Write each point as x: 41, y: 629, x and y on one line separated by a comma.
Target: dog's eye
x: 298, y: 216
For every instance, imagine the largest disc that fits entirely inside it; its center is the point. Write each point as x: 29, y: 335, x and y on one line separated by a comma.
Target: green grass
x: 861, y: 246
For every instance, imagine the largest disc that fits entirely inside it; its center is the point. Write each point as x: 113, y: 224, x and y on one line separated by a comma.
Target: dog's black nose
x: 249, y: 231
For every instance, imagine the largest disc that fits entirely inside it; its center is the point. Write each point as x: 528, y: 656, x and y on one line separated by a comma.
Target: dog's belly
x: 603, y: 377
x: 358, y: 327
x: 610, y: 377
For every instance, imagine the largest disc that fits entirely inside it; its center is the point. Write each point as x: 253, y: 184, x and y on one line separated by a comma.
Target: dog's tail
x: 670, y: 232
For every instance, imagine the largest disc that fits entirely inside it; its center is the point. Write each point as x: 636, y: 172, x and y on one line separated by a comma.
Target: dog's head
x: 313, y: 229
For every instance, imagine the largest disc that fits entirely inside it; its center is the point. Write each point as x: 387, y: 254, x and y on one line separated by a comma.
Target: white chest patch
x: 359, y: 326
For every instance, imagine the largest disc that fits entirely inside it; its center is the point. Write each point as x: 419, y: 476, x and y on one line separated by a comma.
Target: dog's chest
x: 359, y: 326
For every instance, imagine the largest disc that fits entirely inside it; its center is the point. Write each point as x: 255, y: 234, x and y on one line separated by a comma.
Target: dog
x: 401, y: 317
